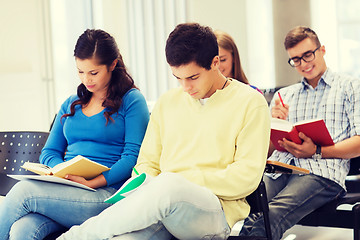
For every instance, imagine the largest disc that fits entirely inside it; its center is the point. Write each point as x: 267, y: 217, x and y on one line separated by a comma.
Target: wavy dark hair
x: 100, y: 45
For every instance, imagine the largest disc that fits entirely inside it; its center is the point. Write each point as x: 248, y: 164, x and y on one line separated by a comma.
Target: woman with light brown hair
x: 230, y: 64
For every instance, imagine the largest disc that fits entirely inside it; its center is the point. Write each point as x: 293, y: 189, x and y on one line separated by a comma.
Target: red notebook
x: 314, y: 129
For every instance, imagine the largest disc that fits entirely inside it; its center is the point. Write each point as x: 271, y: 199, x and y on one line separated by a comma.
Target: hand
x: 78, y: 179
x: 96, y: 182
x: 304, y: 150
x: 280, y: 111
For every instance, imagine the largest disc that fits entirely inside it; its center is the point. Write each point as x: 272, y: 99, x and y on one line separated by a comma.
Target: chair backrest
x: 16, y: 148
x: 354, y: 166
x: 269, y: 93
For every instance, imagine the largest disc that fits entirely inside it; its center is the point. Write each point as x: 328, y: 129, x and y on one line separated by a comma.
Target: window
x: 337, y: 23
x: 348, y: 19
x: 69, y: 19
x: 260, y: 43
x: 149, y: 24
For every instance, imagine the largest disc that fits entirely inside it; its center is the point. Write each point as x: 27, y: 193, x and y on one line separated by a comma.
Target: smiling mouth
x: 307, y: 70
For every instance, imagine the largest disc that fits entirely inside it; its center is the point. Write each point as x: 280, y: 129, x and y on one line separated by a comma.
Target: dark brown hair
x: 101, y: 46
x: 191, y: 42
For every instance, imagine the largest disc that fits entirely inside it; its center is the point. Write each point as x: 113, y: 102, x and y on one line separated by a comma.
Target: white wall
x: 29, y: 100
x: 26, y: 92
x: 250, y: 24
x: 69, y: 19
x: 111, y: 16
x: 228, y: 16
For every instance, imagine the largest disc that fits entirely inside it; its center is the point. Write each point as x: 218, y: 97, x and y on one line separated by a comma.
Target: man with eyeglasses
x: 323, y: 94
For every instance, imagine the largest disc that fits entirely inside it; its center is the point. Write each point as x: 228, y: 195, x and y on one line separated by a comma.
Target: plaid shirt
x: 336, y: 99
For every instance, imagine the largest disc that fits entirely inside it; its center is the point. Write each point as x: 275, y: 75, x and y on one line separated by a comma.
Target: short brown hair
x: 299, y: 33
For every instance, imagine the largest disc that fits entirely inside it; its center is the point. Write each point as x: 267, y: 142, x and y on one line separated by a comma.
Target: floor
x: 299, y: 232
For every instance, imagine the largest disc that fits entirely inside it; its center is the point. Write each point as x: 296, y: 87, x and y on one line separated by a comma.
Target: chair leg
x: 356, y: 234
x: 356, y: 216
x: 268, y: 227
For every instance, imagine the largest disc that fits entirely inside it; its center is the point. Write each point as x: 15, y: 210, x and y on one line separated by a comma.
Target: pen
x: 135, y: 171
x: 282, y: 103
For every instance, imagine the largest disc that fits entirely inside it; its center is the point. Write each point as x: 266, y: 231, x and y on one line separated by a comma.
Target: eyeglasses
x: 306, y: 57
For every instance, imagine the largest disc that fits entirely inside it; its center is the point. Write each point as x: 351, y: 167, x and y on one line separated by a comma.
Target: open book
x: 314, y: 129
x: 279, y: 167
x: 79, y: 166
x: 130, y: 186
x: 52, y: 179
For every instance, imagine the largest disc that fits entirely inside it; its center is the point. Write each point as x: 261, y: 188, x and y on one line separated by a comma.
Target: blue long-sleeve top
x: 115, y: 145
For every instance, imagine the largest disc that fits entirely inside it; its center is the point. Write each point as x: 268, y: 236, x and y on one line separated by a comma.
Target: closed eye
x: 194, y: 77
x: 296, y: 59
x: 307, y: 54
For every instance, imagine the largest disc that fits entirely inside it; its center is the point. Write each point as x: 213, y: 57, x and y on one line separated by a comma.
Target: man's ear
x: 215, y: 62
x: 322, y: 49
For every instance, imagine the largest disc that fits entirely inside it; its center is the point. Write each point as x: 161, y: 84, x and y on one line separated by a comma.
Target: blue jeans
x: 34, y: 209
x: 168, y: 205
x: 291, y: 197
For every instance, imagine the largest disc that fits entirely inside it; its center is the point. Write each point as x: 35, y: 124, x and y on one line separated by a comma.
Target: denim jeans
x: 34, y: 209
x: 291, y: 197
x: 168, y: 205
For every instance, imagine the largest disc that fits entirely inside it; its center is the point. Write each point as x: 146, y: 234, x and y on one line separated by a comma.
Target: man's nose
x: 187, y: 86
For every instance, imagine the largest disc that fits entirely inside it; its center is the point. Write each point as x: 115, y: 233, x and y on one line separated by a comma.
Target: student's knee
x: 169, y: 178
x: 169, y: 183
x: 19, y: 190
x: 174, y: 187
x: 21, y: 193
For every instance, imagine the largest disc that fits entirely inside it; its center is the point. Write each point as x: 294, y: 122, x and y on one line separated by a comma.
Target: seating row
x: 19, y: 147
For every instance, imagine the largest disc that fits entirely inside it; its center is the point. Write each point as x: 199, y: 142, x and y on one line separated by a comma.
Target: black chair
x: 15, y: 149
x: 258, y: 204
x: 331, y: 215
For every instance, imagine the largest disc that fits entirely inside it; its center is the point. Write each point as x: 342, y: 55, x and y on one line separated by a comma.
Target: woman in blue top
x: 105, y: 122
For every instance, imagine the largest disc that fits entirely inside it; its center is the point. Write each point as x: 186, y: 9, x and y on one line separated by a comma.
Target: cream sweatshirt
x: 221, y: 145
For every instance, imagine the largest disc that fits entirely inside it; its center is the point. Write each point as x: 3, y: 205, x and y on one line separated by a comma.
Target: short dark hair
x: 191, y: 42
x: 299, y: 33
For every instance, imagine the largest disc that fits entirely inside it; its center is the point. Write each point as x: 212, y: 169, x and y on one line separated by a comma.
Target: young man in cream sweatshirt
x: 206, y: 146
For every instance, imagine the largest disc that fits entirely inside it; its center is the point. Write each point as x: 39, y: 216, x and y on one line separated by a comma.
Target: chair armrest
x: 279, y: 167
